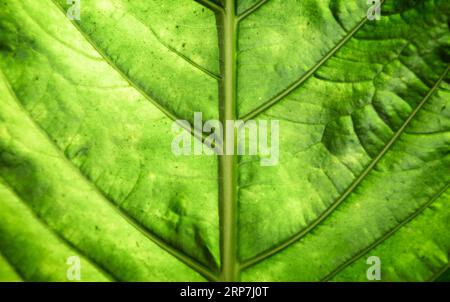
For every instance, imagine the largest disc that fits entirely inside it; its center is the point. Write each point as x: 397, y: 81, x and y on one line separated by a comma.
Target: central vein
x: 227, y: 24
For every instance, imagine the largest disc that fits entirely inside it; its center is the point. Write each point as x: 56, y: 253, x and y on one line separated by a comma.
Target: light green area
x: 411, y: 174
x: 174, y: 48
x: 86, y: 167
x: 339, y: 122
x: 65, y: 200
x: 33, y: 249
x: 417, y: 252
x: 107, y: 130
x: 284, y: 39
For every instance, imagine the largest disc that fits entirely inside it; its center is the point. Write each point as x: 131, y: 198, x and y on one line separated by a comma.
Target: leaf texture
x: 86, y: 167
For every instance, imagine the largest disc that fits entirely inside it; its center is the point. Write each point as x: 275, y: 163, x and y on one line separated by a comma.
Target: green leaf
x: 86, y: 167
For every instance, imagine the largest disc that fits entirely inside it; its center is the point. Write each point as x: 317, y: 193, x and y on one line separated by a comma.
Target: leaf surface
x: 86, y: 167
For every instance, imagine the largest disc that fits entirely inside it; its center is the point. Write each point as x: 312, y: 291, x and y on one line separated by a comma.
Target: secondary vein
x: 251, y: 10
x: 107, y: 274
x: 137, y: 225
x: 306, y: 76
x: 197, y: 134
x: 352, y: 187
x: 386, y: 235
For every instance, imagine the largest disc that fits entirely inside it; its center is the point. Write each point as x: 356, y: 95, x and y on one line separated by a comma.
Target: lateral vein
x: 189, y: 261
x: 251, y: 10
x: 107, y: 274
x: 352, y: 187
x: 211, y: 5
x: 306, y: 76
x: 8, y: 261
x: 195, y: 133
x: 440, y: 273
x: 388, y: 234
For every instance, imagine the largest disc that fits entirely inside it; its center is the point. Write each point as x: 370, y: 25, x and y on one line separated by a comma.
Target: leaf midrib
x: 228, y: 166
x: 227, y: 24
x: 232, y: 104
x: 230, y: 266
